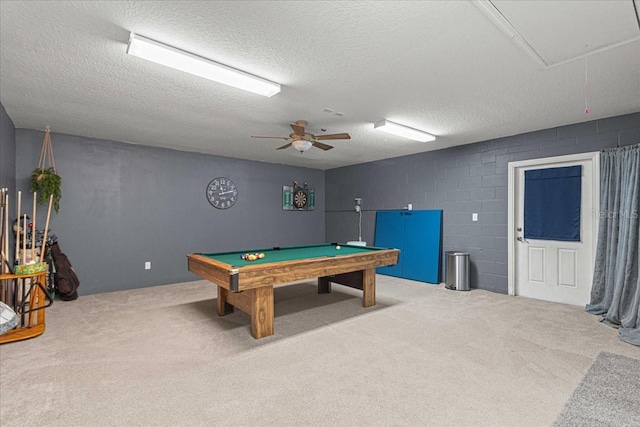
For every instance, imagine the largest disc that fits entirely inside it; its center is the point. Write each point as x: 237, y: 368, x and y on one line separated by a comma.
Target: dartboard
x: 300, y: 199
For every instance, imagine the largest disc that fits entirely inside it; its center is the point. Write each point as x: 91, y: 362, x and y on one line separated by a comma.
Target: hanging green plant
x: 46, y: 183
x: 45, y: 179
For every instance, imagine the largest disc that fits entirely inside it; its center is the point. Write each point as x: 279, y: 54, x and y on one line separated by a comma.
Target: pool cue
x: 33, y: 228
x: 24, y: 240
x: 23, y: 288
x: 4, y: 259
x: 12, y: 291
x: 3, y: 231
x: 34, y: 290
x: 2, y: 267
x: 24, y: 293
x: 34, y: 298
x: 3, y: 243
x: 2, y: 224
x: 6, y: 224
x: 46, y: 229
x: 2, y: 236
x: 18, y: 230
x: 36, y: 294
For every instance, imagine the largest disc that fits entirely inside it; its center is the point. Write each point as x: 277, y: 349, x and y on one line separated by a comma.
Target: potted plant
x: 46, y: 183
x: 45, y: 179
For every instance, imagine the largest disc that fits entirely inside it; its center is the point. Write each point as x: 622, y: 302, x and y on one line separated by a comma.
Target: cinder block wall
x: 460, y: 181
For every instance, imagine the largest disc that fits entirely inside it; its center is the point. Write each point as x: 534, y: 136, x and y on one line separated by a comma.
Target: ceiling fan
x: 302, y: 140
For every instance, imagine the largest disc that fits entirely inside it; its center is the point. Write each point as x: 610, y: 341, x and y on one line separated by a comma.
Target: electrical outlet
x: 474, y: 217
x: 147, y: 265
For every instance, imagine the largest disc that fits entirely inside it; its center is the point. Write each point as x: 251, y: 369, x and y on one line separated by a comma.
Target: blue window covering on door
x: 552, y: 203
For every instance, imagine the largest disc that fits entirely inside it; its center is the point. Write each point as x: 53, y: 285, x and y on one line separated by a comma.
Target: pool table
x: 248, y: 285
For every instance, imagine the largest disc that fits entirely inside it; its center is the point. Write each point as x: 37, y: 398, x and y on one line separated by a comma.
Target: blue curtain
x: 615, y: 292
x: 552, y: 203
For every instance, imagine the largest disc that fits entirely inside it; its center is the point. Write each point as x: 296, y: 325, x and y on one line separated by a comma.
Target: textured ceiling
x: 463, y: 71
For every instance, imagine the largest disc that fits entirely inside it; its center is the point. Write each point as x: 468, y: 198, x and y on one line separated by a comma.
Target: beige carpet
x: 424, y: 355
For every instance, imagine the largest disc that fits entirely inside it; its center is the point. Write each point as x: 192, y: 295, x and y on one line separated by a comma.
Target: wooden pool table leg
x: 324, y: 285
x: 364, y: 280
x: 257, y: 303
x: 223, y: 306
x: 262, y: 312
x: 369, y: 287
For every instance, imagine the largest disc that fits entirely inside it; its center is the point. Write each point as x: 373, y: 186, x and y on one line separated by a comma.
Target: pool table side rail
x: 254, y: 276
x: 215, y: 271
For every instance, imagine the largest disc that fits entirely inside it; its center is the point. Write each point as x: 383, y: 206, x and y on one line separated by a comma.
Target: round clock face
x: 222, y: 193
x: 300, y: 199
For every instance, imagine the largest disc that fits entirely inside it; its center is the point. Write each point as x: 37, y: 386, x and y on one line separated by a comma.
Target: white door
x: 554, y: 270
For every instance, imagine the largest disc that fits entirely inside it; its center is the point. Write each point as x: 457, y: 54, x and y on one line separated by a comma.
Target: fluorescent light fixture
x: 154, y: 51
x: 404, y: 131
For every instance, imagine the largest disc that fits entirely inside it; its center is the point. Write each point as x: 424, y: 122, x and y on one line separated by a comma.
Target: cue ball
x: 338, y: 248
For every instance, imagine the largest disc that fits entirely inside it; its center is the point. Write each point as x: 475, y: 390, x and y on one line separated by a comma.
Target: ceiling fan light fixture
x: 178, y: 59
x: 301, y: 145
x: 404, y: 131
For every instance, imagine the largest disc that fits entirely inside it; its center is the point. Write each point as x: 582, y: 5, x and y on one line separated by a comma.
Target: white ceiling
x: 464, y: 71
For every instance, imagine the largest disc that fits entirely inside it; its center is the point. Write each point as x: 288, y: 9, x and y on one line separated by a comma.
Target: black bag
x: 65, y: 277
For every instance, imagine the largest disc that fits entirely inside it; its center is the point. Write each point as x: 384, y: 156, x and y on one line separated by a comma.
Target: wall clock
x: 222, y: 193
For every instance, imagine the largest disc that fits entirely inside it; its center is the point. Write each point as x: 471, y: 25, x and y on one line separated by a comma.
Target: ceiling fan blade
x: 322, y: 146
x: 284, y: 146
x: 332, y: 136
x: 271, y: 137
x: 297, y: 129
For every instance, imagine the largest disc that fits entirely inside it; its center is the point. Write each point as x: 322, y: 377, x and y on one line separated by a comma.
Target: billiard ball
x: 261, y: 255
x: 338, y: 248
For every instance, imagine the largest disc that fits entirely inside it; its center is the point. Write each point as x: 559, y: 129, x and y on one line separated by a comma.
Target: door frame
x: 594, y: 157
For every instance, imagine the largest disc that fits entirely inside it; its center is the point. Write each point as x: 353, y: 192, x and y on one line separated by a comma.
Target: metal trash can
x: 457, y: 271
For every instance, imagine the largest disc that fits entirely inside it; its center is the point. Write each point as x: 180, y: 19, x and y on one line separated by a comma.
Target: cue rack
x: 23, y: 279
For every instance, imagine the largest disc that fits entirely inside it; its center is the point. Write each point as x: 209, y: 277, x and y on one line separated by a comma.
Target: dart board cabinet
x: 298, y: 198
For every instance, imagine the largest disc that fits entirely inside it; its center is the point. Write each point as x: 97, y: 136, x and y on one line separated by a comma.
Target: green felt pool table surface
x: 288, y: 254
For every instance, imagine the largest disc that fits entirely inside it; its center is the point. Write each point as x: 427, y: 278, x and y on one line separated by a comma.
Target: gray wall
x: 8, y: 163
x: 461, y: 180
x: 124, y: 204
x: 7, y: 152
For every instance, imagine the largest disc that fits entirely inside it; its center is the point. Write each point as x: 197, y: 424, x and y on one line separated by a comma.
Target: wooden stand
x: 32, y: 307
